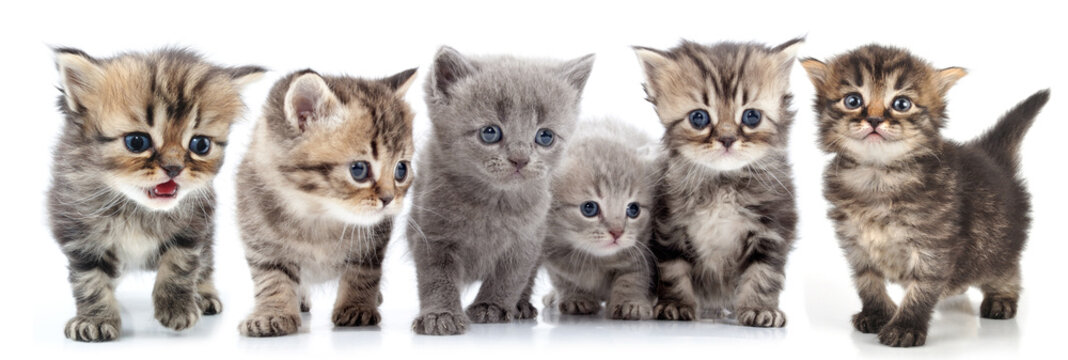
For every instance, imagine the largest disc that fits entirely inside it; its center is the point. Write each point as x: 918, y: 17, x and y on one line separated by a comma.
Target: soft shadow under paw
x: 92, y: 329
x: 356, y: 316
x: 488, y: 313
x: 265, y: 324
x: 630, y: 311
x: 674, y: 311
x: 902, y: 336
x: 441, y: 323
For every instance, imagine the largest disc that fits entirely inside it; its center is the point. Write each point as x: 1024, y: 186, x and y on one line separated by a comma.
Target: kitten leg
x: 1001, y: 296
x: 277, y: 310
x: 630, y: 298
x: 675, y: 296
x: 572, y: 300
x: 92, y: 279
x: 358, y: 294
x: 908, y: 327
x: 207, y: 295
x: 876, y: 305
x: 496, y: 299
x: 438, y: 273
x: 524, y: 308
x: 761, y: 282
x: 175, y: 292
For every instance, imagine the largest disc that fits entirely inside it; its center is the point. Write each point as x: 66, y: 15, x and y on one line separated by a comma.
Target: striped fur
x: 99, y: 204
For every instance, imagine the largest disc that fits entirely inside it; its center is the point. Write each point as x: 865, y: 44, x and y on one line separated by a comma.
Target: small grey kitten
x: 726, y: 214
x: 596, y: 246
x: 499, y: 127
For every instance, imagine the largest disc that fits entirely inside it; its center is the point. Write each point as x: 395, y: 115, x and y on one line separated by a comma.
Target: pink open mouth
x: 874, y: 136
x: 165, y: 190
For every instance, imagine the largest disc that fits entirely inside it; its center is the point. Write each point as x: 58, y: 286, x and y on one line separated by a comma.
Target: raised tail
x: 1002, y: 142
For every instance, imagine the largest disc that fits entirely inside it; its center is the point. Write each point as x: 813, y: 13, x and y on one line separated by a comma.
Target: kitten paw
x: 762, y: 317
x: 305, y: 306
x: 92, y: 329
x: 869, y: 323
x: 179, y: 315
x: 211, y: 304
x: 674, y: 311
x: 629, y: 310
x: 579, y: 307
x: 998, y: 308
x: 443, y: 323
x: 488, y: 313
x: 353, y: 315
x: 525, y: 310
x: 902, y: 336
x: 269, y: 324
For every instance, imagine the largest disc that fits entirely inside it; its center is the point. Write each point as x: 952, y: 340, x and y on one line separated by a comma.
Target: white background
x: 1011, y: 50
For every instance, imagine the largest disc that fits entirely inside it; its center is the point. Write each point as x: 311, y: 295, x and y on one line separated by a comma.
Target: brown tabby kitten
x: 909, y: 206
x: 326, y: 173
x: 132, y: 173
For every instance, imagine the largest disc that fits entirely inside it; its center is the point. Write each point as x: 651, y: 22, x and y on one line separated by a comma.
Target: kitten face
x: 344, y: 144
x: 878, y: 104
x: 506, y: 120
x: 156, y: 124
x: 725, y: 106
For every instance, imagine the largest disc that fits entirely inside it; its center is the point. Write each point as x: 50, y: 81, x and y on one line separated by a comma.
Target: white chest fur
x: 886, y: 244
x: 717, y: 231
x: 134, y: 247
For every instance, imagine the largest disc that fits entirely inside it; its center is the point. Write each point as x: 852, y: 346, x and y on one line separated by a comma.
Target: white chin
x: 726, y: 163
x: 359, y: 219
x: 141, y: 197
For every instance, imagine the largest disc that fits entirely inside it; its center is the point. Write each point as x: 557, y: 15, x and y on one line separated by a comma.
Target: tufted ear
x: 244, y: 75
x: 577, y: 71
x: 786, y: 52
x: 309, y: 102
x: 400, y: 82
x: 449, y: 68
x: 653, y: 62
x: 817, y: 71
x: 947, y: 77
x: 79, y: 76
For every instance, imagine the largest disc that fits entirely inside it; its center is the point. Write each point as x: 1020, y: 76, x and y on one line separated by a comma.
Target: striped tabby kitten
x: 327, y: 171
x: 143, y: 139
x: 725, y: 218
x: 499, y: 128
x: 596, y: 248
x: 909, y: 206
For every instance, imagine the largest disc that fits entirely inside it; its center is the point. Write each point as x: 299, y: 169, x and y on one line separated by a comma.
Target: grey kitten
x: 600, y: 222
x: 726, y: 214
x: 499, y: 127
x: 327, y: 171
x: 144, y: 137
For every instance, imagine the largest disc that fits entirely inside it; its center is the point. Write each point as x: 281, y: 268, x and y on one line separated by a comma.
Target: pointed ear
x: 817, y: 71
x: 577, y: 71
x: 400, y: 82
x: 244, y: 75
x: 79, y: 76
x: 449, y: 67
x: 653, y: 62
x: 947, y: 77
x: 309, y: 101
x: 786, y: 52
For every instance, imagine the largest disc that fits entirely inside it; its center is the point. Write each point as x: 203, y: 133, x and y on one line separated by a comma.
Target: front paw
x: 210, y: 303
x: 998, y: 308
x: 441, y: 323
x: 898, y: 335
x: 673, y: 310
x: 263, y: 324
x: 869, y: 323
x: 761, y: 317
x: 178, y: 315
x: 93, y: 329
x: 355, y: 315
x: 485, y: 313
x: 525, y: 310
x: 630, y: 310
x: 579, y: 306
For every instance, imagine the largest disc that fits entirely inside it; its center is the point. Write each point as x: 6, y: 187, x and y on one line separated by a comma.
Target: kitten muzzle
x: 168, y: 189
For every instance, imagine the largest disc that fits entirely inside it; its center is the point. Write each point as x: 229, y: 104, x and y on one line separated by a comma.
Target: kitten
x: 600, y: 221
x: 499, y: 127
x: 326, y: 173
x: 912, y: 207
x: 726, y: 216
x: 144, y: 137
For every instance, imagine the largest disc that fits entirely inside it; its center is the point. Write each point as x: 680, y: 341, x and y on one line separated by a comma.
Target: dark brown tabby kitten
x: 909, y: 206
x: 132, y: 174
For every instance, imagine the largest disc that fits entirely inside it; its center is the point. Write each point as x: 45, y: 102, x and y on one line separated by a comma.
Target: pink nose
x: 615, y: 234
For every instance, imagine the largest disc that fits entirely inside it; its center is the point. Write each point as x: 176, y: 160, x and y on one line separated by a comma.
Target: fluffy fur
x: 604, y: 257
x: 305, y: 217
x: 725, y: 216
x: 103, y: 207
x: 931, y: 214
x: 479, y: 208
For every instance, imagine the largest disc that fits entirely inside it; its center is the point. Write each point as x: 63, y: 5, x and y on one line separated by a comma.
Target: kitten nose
x: 386, y: 199
x: 727, y: 141
x: 875, y: 122
x: 173, y: 170
x: 615, y: 234
x: 519, y: 162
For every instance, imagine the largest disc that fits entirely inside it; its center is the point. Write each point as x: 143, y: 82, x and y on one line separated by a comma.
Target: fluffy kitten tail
x: 1002, y: 142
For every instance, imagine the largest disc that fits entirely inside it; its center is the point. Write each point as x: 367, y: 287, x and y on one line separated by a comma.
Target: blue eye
x: 200, y: 145
x: 401, y: 172
x: 902, y: 104
x: 544, y: 137
x: 490, y: 134
x: 852, y: 101
x: 751, y: 118
x: 633, y: 210
x: 138, y: 142
x: 589, y: 209
x: 360, y: 170
x: 699, y: 119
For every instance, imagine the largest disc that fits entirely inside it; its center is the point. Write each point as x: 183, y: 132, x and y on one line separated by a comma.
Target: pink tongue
x: 167, y: 188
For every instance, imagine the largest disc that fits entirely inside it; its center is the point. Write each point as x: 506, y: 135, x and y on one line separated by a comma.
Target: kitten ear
x: 449, y: 67
x: 309, y: 100
x: 244, y: 75
x: 653, y: 62
x: 577, y: 71
x: 947, y: 77
x: 817, y: 71
x: 401, y: 81
x: 79, y: 76
x: 786, y: 52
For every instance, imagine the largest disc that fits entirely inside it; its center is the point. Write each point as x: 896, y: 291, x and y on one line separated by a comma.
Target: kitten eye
x: 589, y: 209
x: 360, y: 170
x: 200, y: 145
x: 544, y: 137
x: 852, y: 101
x: 401, y: 172
x: 490, y: 134
x: 902, y: 104
x: 699, y: 119
x: 751, y: 118
x: 138, y: 142
x: 633, y: 210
